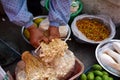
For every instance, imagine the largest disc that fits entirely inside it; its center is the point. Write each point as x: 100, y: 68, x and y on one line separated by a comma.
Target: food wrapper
x: 106, y: 20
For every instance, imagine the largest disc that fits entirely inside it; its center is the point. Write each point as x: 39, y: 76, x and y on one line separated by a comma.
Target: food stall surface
x: 11, y: 34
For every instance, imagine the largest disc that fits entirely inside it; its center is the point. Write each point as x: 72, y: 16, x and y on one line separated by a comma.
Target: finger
x: 45, y: 40
x: 35, y: 43
x: 50, y: 38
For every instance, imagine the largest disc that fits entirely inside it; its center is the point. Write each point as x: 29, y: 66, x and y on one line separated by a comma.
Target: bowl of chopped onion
x: 93, y: 29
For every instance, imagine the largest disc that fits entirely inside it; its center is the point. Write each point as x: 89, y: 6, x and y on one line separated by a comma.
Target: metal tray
x: 97, y: 52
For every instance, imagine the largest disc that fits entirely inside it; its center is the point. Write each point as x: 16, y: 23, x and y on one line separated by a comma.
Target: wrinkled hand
x: 36, y: 36
x: 53, y: 32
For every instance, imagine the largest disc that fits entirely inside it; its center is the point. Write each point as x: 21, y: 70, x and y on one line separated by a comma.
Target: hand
x: 36, y: 36
x: 53, y: 32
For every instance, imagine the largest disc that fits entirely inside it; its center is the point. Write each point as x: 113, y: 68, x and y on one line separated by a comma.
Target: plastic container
x: 73, y: 15
x: 80, y: 37
x: 78, y: 70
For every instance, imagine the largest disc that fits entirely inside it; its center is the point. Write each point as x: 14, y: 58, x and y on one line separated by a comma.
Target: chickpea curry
x: 93, y: 29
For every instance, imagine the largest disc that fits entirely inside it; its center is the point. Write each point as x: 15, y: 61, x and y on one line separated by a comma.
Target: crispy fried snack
x: 55, y: 49
x: 55, y: 62
x: 32, y: 66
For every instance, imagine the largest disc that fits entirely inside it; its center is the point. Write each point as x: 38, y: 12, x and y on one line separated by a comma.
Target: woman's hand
x: 53, y: 32
x: 36, y: 36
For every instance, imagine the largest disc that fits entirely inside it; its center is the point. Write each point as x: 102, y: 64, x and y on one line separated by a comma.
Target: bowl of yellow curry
x: 93, y: 28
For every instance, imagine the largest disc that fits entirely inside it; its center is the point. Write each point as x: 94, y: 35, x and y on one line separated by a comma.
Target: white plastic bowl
x: 80, y: 37
x: 65, y: 39
x: 97, y: 53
